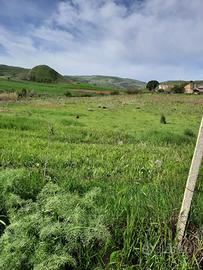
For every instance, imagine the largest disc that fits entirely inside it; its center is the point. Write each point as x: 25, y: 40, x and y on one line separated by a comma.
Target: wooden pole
x: 190, y: 186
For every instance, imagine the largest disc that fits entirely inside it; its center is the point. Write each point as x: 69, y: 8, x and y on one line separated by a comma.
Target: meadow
x: 97, y: 183
x: 47, y: 89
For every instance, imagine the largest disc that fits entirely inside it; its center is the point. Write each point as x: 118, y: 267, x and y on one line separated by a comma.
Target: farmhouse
x: 193, y: 88
x: 166, y: 86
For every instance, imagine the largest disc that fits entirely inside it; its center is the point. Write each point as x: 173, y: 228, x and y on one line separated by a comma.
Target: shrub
x: 188, y: 132
x: 161, y: 90
x: 163, y: 119
x: 57, y: 232
x: 132, y: 91
x: 67, y: 93
x: 86, y: 95
x: 32, y: 93
x: 114, y: 93
x: 22, y: 93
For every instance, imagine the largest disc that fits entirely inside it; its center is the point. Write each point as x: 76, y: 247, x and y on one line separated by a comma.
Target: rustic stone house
x: 193, y: 88
x: 166, y: 86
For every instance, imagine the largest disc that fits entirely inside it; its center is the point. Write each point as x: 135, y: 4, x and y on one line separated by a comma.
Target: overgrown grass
x: 98, y: 191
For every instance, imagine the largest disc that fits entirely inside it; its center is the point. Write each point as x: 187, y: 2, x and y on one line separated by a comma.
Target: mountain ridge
x: 19, y: 73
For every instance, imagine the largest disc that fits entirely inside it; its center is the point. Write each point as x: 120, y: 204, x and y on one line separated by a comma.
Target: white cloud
x: 161, y: 40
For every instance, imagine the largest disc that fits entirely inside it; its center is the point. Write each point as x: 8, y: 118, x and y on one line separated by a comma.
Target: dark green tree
x: 152, y: 85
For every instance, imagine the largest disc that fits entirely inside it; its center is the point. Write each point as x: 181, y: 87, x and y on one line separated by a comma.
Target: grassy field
x: 51, y: 89
x: 97, y: 183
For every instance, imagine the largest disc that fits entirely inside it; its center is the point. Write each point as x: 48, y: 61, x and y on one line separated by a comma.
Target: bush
x: 163, y: 119
x: 57, y: 232
x: 132, y: 91
x: 188, y: 132
x: 22, y: 93
x: 87, y: 95
x: 160, y: 90
x: 32, y: 93
x: 114, y: 93
x: 67, y: 93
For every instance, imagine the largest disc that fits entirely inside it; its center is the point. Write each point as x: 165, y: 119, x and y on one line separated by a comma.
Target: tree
x: 152, y: 85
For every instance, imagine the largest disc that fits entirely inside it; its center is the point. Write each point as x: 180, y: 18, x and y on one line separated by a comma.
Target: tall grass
x: 101, y: 191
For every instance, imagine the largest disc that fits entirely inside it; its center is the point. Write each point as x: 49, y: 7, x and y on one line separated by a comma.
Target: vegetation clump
x: 163, y: 119
x: 132, y: 91
x: 54, y: 232
x: 189, y: 132
x: 161, y: 90
x: 22, y: 93
x: 67, y: 94
x: 114, y: 93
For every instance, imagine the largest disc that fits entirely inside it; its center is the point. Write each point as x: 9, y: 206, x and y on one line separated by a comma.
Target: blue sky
x: 141, y: 39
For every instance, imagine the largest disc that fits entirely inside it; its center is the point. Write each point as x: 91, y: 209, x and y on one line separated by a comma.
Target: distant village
x: 190, y: 88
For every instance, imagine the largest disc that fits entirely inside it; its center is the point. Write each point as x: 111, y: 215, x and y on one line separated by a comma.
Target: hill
x: 108, y: 81
x: 44, y: 73
x: 17, y: 73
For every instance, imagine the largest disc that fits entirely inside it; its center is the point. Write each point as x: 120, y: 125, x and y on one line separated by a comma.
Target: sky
x: 139, y: 39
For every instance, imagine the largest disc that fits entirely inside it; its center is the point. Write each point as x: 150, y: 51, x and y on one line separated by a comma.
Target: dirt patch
x: 4, y: 110
x: 198, y: 102
x: 86, y: 91
x: 8, y: 97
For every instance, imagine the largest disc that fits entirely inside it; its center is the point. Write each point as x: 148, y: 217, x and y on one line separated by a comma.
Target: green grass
x: 51, y: 89
x: 83, y: 187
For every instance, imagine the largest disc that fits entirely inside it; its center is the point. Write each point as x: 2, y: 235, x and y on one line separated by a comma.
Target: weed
x: 163, y: 119
x: 67, y: 93
x: 189, y: 132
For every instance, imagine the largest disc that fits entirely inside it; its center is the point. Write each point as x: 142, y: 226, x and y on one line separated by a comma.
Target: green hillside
x: 108, y: 81
x: 11, y: 72
x: 44, y: 73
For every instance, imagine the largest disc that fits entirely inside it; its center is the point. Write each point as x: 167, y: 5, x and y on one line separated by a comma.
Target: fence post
x: 190, y: 186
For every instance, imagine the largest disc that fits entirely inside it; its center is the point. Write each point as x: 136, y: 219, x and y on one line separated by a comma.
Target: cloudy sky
x: 141, y: 39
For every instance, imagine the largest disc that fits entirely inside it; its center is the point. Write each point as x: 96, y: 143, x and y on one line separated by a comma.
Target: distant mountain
x: 44, y: 73
x: 108, y: 81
